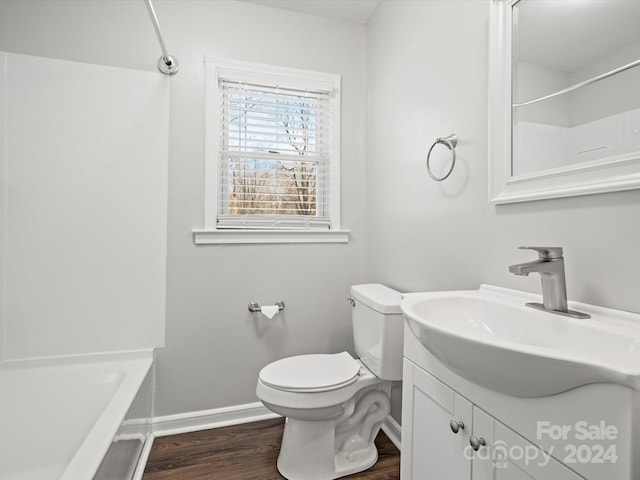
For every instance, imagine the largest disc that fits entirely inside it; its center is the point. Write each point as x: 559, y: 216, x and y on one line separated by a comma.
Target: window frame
x: 268, y: 75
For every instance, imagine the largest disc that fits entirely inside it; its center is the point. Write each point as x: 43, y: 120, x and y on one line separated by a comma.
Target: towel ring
x: 451, y: 141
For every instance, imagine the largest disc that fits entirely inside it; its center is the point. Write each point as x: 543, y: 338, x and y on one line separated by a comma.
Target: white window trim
x: 264, y: 74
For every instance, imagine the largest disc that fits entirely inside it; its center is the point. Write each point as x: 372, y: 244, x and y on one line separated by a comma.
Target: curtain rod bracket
x: 168, y: 66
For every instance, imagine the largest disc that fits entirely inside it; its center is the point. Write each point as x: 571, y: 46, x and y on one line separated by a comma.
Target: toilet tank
x: 378, y: 329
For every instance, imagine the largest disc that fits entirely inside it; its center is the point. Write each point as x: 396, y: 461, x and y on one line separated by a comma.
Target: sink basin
x: 490, y: 337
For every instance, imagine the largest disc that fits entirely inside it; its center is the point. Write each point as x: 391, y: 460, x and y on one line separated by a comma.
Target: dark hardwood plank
x: 243, y: 452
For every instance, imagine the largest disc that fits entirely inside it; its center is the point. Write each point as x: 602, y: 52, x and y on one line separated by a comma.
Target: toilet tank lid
x: 379, y: 297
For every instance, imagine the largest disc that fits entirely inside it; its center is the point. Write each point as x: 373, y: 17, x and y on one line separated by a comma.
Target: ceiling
x: 358, y: 11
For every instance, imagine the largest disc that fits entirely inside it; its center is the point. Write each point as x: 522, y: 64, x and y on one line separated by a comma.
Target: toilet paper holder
x: 254, y: 307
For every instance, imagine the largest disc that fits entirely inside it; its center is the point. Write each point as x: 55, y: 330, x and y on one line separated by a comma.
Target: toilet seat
x: 311, y: 373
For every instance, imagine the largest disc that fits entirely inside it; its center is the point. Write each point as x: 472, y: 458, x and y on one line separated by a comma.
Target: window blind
x: 275, y: 157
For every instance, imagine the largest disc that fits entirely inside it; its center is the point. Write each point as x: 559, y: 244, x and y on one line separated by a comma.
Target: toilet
x: 335, y: 404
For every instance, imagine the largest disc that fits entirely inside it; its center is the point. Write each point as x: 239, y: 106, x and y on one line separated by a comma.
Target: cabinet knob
x: 456, y: 426
x: 476, y: 443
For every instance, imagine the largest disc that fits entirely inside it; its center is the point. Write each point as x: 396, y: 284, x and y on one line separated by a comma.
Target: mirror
x: 565, y: 98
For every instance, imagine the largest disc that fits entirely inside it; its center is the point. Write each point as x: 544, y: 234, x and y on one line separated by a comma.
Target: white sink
x: 490, y: 337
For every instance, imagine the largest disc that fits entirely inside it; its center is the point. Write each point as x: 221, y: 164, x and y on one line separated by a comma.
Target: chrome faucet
x: 550, y: 266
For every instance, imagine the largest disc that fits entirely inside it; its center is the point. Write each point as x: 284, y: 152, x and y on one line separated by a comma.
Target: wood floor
x: 243, y: 452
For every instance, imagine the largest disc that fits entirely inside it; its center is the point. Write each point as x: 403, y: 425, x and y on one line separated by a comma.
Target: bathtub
x: 59, y: 416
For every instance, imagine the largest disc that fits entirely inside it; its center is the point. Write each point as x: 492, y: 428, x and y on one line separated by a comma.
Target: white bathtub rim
x: 79, y: 359
x: 144, y: 457
x: 89, y: 456
x: 130, y: 366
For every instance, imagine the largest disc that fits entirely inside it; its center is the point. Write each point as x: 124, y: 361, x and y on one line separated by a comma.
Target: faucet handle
x: 546, y: 253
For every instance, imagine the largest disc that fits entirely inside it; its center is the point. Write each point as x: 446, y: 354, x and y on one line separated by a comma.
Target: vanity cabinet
x: 439, y: 426
x: 430, y: 449
x: 552, y: 397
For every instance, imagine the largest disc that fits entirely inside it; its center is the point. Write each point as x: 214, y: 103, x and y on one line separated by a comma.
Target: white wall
x: 3, y: 215
x: 427, y: 71
x: 427, y: 77
x: 214, y: 346
x: 84, y: 197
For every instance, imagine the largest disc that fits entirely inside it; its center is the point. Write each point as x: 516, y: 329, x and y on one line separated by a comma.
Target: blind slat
x: 272, y: 89
x: 274, y: 120
x: 267, y: 127
x: 281, y: 157
x: 261, y: 138
x: 237, y: 100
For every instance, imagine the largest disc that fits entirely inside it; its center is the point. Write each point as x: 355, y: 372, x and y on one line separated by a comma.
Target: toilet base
x: 330, y: 449
x: 360, y: 461
x: 309, y: 454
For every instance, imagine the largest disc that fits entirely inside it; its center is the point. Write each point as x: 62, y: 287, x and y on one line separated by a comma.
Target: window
x: 273, y: 157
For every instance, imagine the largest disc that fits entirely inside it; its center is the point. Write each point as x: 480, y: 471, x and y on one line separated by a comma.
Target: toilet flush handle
x: 351, y: 301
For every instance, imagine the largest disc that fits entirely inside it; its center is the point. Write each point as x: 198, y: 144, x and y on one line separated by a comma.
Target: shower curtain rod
x: 166, y: 63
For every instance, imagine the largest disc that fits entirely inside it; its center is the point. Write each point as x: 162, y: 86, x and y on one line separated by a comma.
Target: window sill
x: 218, y: 237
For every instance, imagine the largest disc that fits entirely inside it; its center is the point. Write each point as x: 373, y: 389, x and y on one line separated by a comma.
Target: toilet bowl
x: 331, y: 426
x: 335, y: 404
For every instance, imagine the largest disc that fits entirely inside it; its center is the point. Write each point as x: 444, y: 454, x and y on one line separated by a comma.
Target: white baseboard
x: 393, y: 430
x: 214, y: 418
x: 235, y: 415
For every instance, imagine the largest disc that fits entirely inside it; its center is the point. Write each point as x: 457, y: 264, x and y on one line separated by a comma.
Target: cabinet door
x: 430, y: 449
x: 508, y: 456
